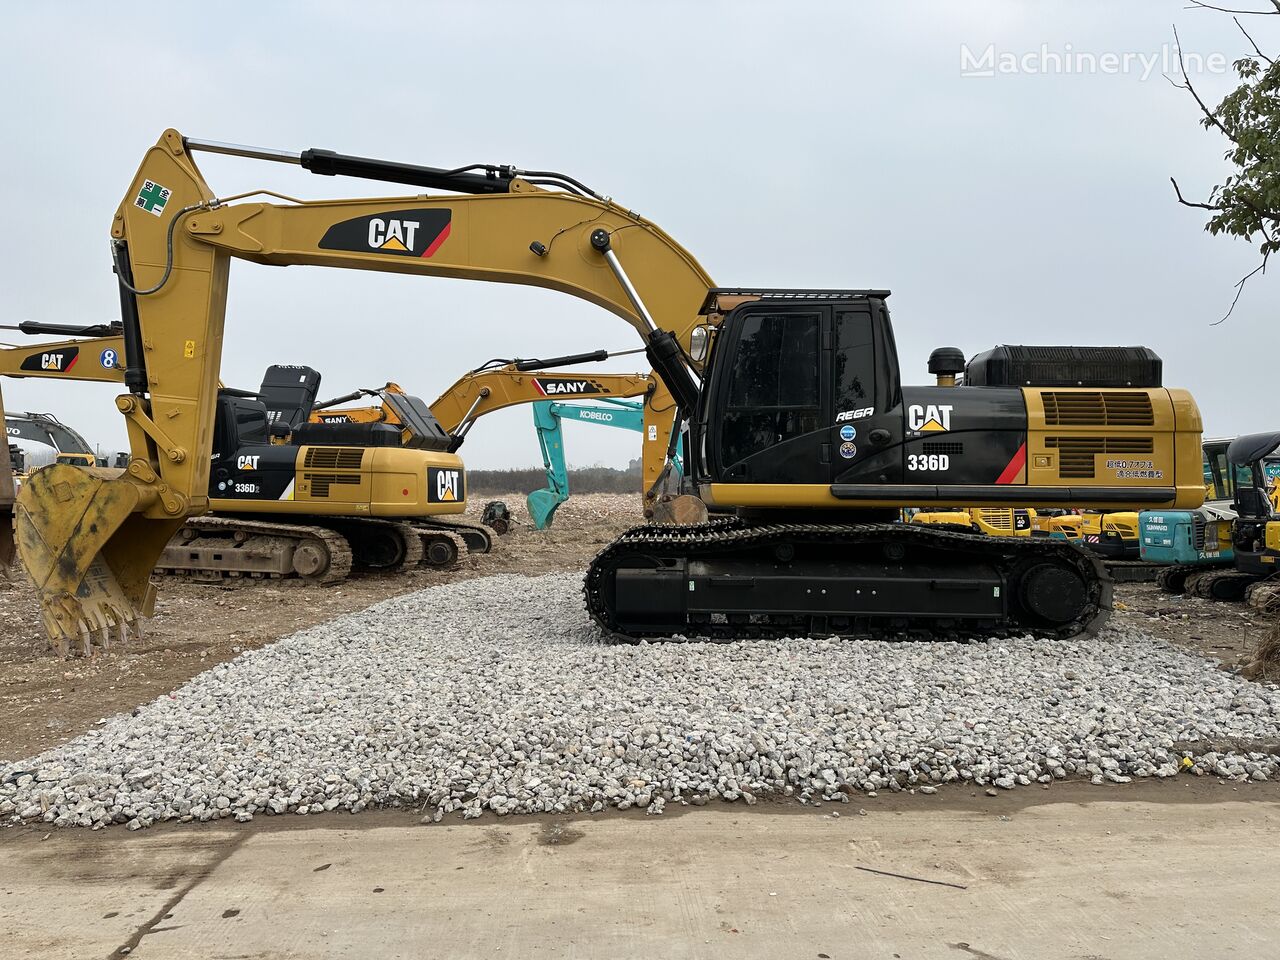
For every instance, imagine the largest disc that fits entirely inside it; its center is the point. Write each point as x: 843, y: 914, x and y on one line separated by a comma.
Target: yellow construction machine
x: 290, y: 498
x: 799, y: 425
x: 103, y: 361
x: 506, y: 383
x: 1113, y: 535
x: 47, y: 430
x: 992, y: 521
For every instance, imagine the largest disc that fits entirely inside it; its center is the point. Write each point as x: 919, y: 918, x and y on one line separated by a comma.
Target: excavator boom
x: 488, y: 389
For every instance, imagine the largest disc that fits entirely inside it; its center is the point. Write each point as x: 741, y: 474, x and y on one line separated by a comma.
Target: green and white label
x: 152, y: 197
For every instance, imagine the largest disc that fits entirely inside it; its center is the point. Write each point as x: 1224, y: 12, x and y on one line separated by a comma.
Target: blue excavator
x: 548, y: 417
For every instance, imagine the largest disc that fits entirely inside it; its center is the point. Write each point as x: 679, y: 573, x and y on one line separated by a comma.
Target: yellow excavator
x: 296, y: 499
x: 54, y: 360
x: 291, y: 500
x: 802, y: 434
x: 506, y: 383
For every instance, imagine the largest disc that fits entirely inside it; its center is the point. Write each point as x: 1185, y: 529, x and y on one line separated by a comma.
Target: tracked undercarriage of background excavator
x: 798, y: 422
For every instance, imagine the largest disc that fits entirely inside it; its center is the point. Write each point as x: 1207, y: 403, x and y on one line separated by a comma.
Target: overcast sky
x: 796, y: 144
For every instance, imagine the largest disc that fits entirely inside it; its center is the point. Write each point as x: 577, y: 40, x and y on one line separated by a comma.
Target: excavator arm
x: 99, y: 360
x: 488, y: 389
x: 485, y: 391
x: 175, y: 239
x: 90, y: 541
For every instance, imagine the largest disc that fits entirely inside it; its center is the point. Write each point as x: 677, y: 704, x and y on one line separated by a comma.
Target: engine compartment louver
x: 333, y: 458
x: 320, y: 482
x: 1097, y: 409
x: 1075, y: 454
x: 1001, y: 518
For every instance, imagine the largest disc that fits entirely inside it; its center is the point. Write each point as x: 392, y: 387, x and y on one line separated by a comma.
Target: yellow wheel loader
x: 801, y: 430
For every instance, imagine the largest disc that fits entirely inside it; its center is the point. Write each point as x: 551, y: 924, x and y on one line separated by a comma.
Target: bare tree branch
x: 1260, y: 268
x: 1251, y: 42
x: 1208, y: 114
x: 1252, y: 13
x: 1188, y: 203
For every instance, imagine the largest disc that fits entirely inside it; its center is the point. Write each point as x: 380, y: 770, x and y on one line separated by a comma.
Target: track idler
x: 89, y: 550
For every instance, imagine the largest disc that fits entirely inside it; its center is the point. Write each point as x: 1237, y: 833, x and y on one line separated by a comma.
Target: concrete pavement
x: 1104, y: 879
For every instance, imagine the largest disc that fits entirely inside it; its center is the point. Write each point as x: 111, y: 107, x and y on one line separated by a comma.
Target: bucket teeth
x: 90, y: 626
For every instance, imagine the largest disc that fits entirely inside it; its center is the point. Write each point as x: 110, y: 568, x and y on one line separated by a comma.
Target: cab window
x: 773, y: 391
x: 855, y: 360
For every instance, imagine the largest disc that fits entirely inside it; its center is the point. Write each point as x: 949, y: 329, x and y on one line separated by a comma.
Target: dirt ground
x: 46, y: 700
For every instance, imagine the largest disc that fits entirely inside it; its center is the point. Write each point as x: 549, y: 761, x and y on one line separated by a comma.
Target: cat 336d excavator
x: 799, y: 423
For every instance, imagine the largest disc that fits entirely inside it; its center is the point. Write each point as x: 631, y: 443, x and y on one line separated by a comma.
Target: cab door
x: 865, y: 431
x: 771, y: 408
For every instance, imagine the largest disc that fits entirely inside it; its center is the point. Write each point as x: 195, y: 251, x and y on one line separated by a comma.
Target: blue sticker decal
x: 847, y: 432
x: 109, y: 359
x: 848, y: 450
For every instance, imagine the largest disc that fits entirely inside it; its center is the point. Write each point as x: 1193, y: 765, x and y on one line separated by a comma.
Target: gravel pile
x: 496, y: 694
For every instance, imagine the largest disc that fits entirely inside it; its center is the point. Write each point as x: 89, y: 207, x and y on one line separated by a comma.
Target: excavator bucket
x: 542, y: 506
x: 90, y: 551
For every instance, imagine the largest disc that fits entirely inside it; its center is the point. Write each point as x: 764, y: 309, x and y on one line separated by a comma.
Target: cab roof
x: 739, y: 295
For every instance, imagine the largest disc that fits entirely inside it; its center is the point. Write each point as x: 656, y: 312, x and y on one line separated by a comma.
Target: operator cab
x: 802, y: 384
x: 1255, y: 509
x: 804, y: 388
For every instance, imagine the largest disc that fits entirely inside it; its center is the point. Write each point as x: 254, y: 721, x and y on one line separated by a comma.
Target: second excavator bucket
x: 90, y: 552
x: 542, y: 506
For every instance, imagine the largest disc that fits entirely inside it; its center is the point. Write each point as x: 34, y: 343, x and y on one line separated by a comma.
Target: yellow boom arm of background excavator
x: 481, y: 392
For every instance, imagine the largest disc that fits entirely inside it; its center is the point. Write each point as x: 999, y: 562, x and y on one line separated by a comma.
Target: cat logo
x: 444, y: 485
x: 935, y: 418
x: 560, y: 386
x: 405, y: 233
x: 247, y: 463
x: 392, y: 234
x: 58, y: 361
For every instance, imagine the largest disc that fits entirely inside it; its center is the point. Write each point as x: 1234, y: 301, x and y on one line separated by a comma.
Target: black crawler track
x: 728, y: 541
